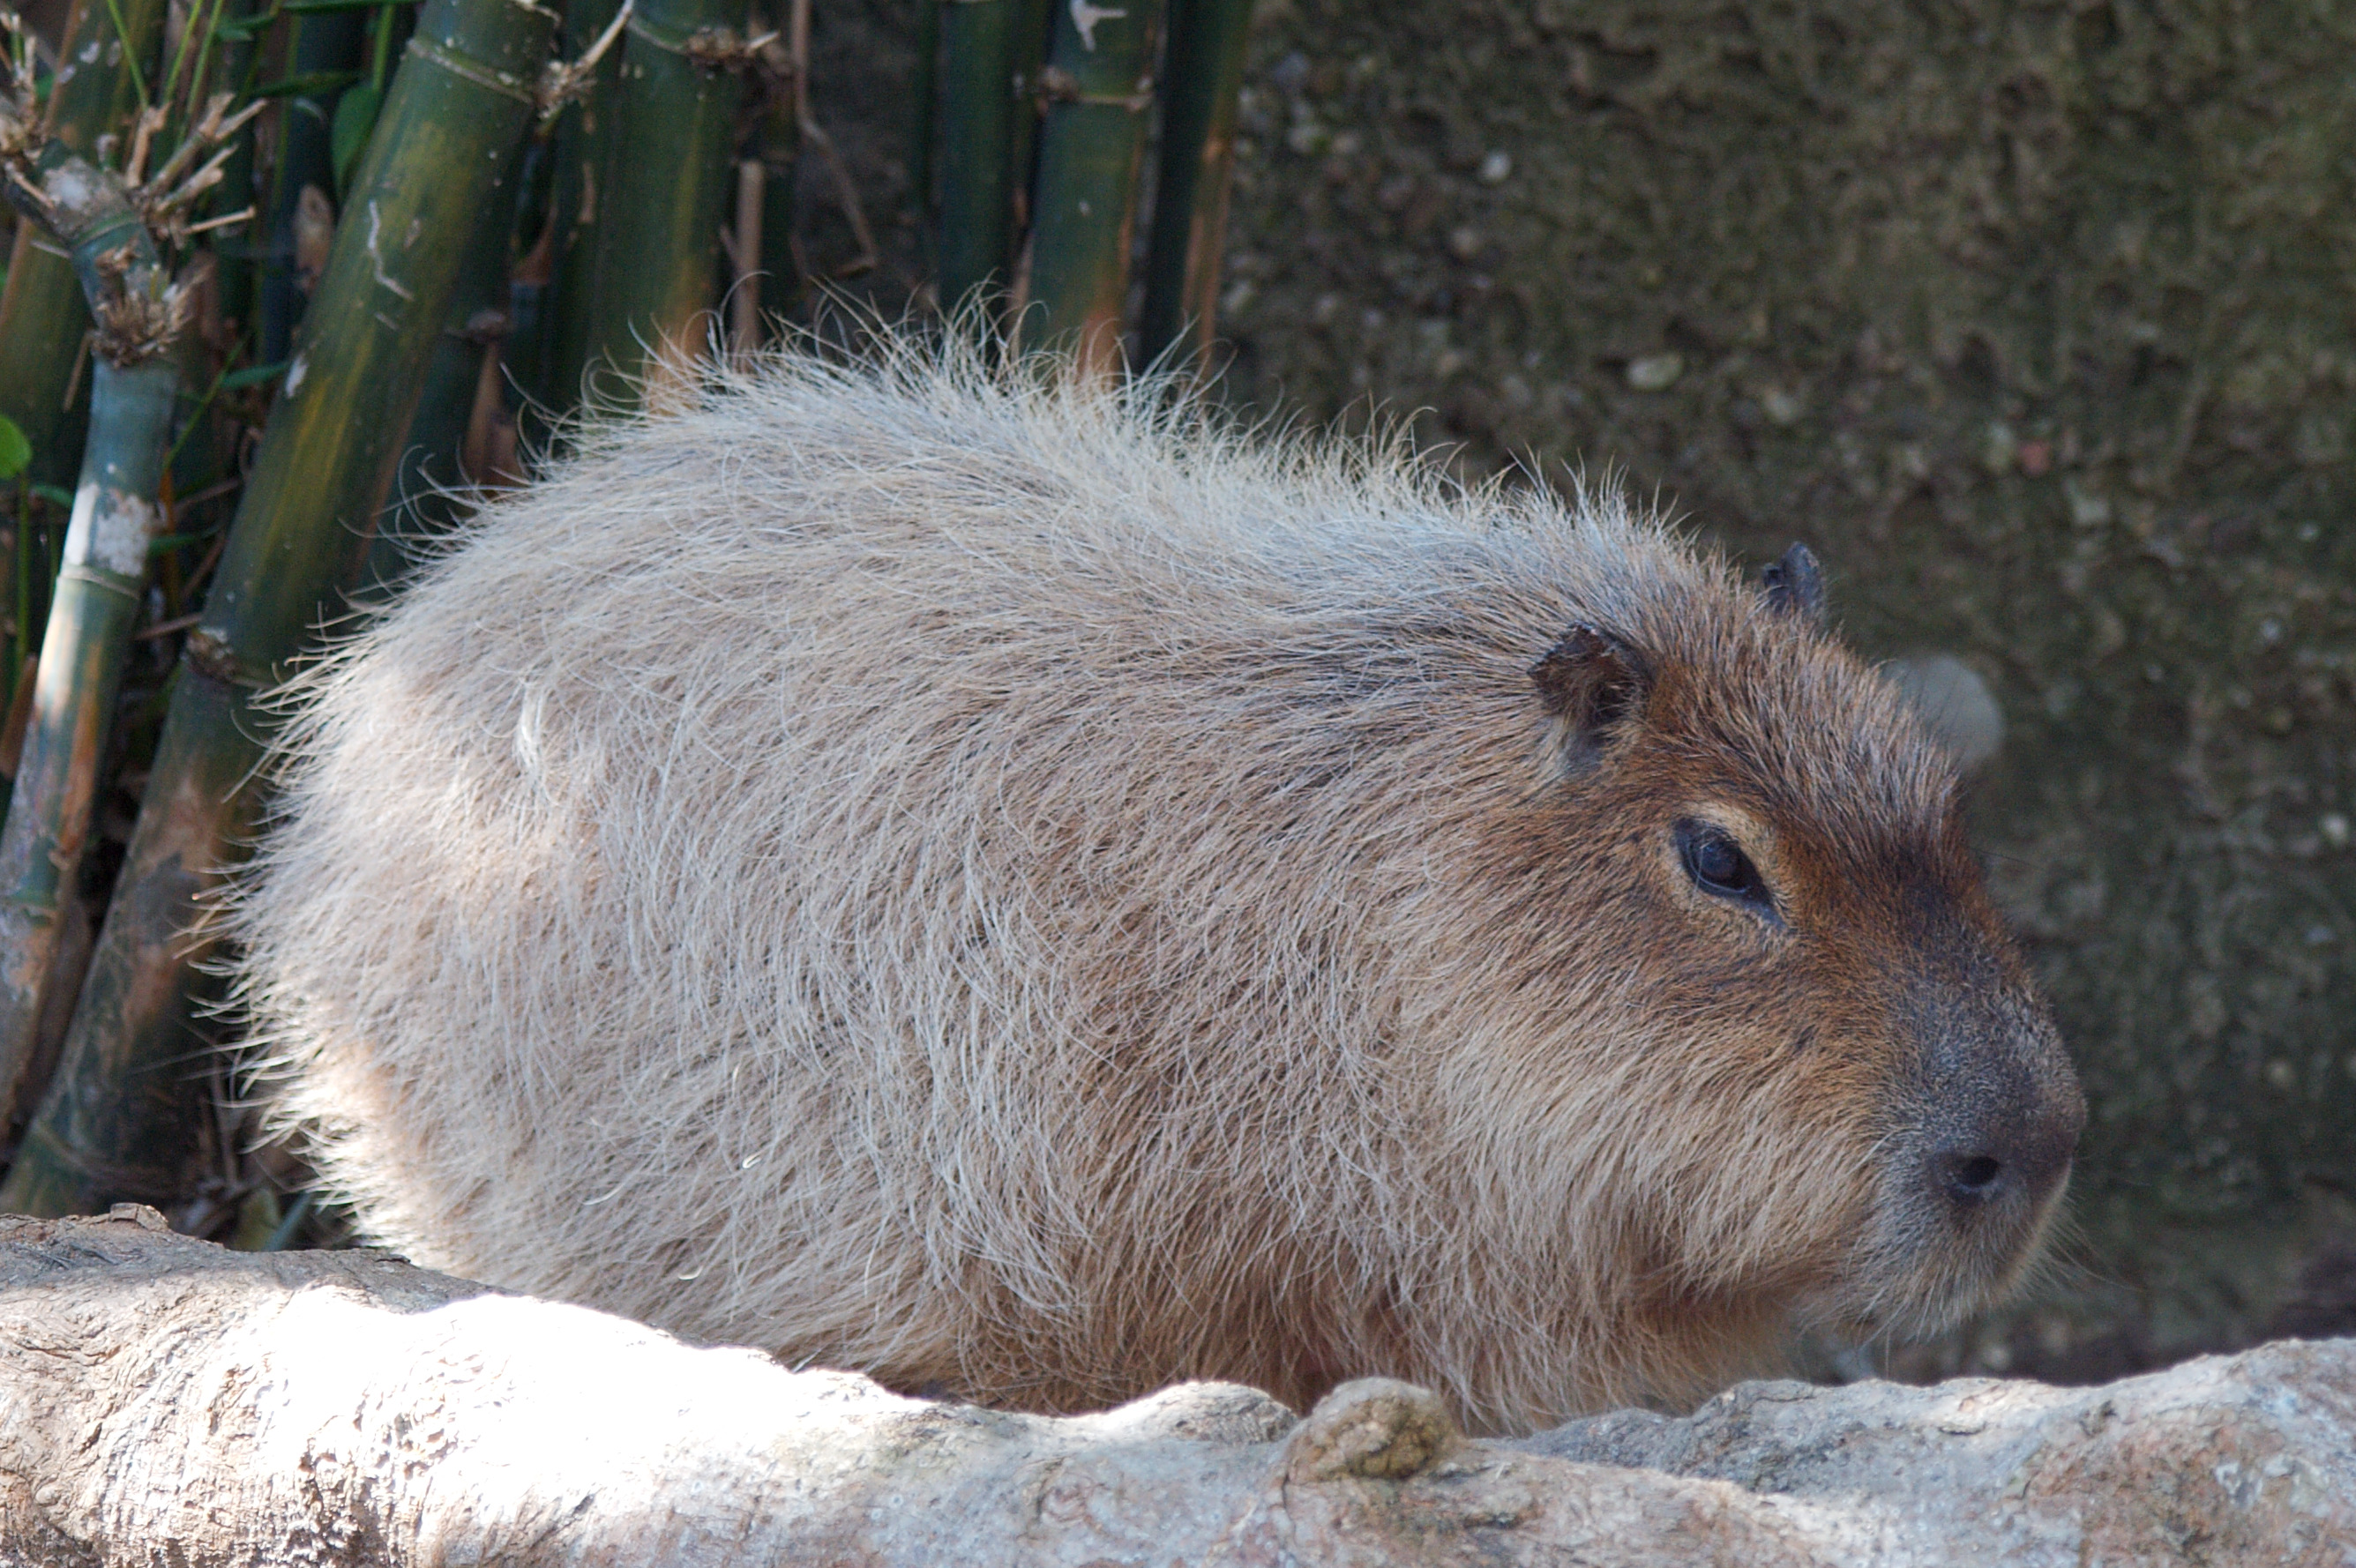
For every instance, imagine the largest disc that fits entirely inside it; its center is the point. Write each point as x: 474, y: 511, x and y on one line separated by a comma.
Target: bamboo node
x: 208, y: 656
x: 721, y: 48
x: 561, y: 81
x: 1056, y: 85
x: 709, y: 49
x: 468, y: 70
x: 134, y: 325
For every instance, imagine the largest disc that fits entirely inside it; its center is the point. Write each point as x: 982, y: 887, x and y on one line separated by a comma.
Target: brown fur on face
x: 986, y: 883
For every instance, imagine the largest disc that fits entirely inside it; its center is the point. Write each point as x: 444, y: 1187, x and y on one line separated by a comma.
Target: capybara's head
x: 1806, y: 1073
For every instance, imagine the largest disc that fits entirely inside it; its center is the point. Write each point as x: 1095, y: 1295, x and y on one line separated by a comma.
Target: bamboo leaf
x: 252, y: 375
x: 314, y: 7
x: 55, y: 494
x: 131, y: 51
x: 170, y: 542
x: 356, y: 114
x: 245, y: 29
x: 309, y: 83
x: 15, y: 452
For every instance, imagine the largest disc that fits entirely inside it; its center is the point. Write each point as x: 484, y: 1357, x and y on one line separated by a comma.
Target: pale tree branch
x: 161, y: 1400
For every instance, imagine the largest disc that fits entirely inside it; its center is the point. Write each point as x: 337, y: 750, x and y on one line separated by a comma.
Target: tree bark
x: 163, y: 1400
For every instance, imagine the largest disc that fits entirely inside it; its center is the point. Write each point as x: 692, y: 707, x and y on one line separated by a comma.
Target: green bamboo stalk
x: 420, y: 505
x: 43, y: 316
x: 96, y: 598
x: 923, y: 86
x: 82, y: 656
x: 780, y: 153
x: 1202, y: 70
x: 1032, y: 29
x: 1099, y: 84
x: 325, y: 43
x: 115, y: 1121
x: 979, y: 49
x: 234, y: 273
x: 584, y: 145
x: 670, y: 193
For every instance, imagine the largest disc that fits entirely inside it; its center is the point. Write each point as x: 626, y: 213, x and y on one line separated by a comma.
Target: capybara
x: 1031, y: 892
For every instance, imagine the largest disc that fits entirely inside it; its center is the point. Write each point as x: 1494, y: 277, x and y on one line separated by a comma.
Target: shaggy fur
x: 982, y: 881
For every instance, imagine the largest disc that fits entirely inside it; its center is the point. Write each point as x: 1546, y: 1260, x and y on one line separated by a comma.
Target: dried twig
x: 562, y: 81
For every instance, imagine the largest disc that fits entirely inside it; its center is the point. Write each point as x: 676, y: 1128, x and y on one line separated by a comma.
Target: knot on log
x: 1201, y: 1413
x: 1374, y: 1429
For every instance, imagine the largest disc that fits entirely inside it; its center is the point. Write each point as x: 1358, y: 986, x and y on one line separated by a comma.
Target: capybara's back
x: 982, y: 881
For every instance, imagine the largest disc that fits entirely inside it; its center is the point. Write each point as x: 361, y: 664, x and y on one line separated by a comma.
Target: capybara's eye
x: 1717, y: 865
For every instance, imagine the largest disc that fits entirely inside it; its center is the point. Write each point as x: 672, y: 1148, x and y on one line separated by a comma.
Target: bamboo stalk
x: 43, y: 316
x: 1202, y: 70
x: 1033, y: 27
x: 420, y: 503
x: 1099, y: 84
x: 774, y: 146
x: 924, y: 88
x: 585, y: 142
x: 657, y: 263
x: 745, y: 261
x: 115, y: 1122
x: 81, y: 661
x: 301, y: 227
x: 978, y: 52
x: 102, y: 224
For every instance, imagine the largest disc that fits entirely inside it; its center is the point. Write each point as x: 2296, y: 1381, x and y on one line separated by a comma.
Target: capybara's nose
x: 2021, y: 1156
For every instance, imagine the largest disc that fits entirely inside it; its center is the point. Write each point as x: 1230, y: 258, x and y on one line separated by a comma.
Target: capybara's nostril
x: 2027, y: 1160
x: 1972, y: 1179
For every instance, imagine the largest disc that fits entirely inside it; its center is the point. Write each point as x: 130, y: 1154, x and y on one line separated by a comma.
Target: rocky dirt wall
x: 2035, y: 321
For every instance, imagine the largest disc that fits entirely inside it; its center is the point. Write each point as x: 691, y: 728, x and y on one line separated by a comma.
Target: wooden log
x: 163, y: 1400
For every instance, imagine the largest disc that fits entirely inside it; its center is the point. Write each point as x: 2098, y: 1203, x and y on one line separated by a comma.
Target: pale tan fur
x: 982, y: 881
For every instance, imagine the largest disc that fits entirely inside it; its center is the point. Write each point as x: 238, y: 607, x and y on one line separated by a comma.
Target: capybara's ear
x: 1592, y: 683
x: 1795, y: 584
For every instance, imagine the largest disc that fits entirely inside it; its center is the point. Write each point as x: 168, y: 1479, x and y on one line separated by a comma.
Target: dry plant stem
x: 443, y: 153
x: 82, y: 653
x: 657, y: 262
x: 43, y: 313
x: 1098, y: 85
x: 978, y: 109
x: 1203, y: 65
x: 173, y: 1401
x: 744, y: 259
x: 808, y: 130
